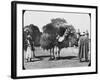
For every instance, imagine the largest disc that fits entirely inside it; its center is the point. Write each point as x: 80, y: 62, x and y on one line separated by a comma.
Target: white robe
x: 28, y: 52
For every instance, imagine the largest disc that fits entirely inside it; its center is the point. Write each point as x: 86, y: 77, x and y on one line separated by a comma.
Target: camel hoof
x: 57, y: 58
x: 52, y: 58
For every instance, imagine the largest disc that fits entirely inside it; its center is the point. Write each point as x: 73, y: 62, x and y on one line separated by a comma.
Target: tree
x: 58, y: 21
x: 45, y: 41
x: 49, y: 36
x: 25, y: 42
x: 51, y: 31
x: 62, y: 25
x: 31, y: 34
x: 72, y: 35
x: 34, y: 32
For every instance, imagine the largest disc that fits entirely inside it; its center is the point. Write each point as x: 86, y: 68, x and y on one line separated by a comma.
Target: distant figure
x: 83, y: 47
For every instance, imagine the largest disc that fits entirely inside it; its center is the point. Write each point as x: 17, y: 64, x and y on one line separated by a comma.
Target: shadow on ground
x: 68, y: 57
x: 61, y: 58
x: 43, y: 57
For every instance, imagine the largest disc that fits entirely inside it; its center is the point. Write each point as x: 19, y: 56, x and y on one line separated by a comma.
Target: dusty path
x: 69, y: 58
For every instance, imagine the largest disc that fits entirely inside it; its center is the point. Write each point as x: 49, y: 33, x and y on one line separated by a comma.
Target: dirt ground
x: 69, y: 58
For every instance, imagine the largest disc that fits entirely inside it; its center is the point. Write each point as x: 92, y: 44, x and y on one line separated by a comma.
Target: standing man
x: 83, y: 47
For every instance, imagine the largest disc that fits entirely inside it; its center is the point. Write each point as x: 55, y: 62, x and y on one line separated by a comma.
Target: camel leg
x: 33, y: 54
x: 56, y: 53
x: 50, y: 54
x: 53, y: 54
x: 59, y: 54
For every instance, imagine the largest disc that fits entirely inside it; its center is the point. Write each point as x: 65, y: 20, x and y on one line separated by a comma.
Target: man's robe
x: 83, y: 48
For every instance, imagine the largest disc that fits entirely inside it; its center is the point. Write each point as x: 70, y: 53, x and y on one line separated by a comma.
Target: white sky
x: 40, y: 18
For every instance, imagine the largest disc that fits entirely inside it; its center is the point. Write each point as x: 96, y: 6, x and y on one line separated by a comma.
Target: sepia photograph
x: 53, y: 40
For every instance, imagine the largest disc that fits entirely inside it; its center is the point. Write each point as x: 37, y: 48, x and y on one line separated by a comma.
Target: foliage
x: 44, y: 41
x: 49, y: 36
x: 34, y: 33
x: 50, y: 29
x: 58, y: 21
x: 58, y: 26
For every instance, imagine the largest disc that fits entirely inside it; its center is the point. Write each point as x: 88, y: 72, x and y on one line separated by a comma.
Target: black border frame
x: 14, y: 38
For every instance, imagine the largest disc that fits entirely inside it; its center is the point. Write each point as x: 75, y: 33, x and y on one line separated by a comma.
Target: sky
x: 40, y: 18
